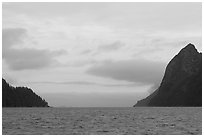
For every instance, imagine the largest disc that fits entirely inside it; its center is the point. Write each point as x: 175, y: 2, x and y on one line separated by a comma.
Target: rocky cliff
x: 182, y: 81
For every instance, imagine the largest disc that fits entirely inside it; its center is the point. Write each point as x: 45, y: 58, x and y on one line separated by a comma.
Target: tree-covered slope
x: 20, y: 97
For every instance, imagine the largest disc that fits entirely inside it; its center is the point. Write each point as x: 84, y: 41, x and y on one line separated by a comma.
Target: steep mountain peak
x: 190, y: 47
x: 182, y: 81
x: 186, y: 62
x: 189, y: 50
x: 191, y: 59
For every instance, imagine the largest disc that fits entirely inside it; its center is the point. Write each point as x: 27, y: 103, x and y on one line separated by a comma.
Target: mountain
x: 182, y: 81
x: 20, y: 97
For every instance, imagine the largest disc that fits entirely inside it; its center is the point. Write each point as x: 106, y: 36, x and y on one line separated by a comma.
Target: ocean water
x: 107, y: 121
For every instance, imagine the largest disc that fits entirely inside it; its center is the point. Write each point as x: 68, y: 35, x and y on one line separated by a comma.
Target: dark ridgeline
x: 20, y: 97
x: 182, y: 81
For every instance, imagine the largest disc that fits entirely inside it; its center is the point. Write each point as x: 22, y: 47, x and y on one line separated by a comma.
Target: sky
x: 94, y: 54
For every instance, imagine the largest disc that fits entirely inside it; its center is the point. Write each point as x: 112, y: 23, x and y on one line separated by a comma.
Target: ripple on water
x: 105, y: 121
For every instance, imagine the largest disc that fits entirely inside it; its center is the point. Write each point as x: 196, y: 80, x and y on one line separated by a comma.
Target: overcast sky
x: 94, y: 54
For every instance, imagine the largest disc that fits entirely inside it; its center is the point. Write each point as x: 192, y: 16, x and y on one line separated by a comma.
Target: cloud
x: 86, y: 83
x: 111, y: 47
x: 28, y: 59
x: 24, y: 58
x: 153, y: 88
x: 12, y: 36
x: 138, y: 71
x: 86, y: 52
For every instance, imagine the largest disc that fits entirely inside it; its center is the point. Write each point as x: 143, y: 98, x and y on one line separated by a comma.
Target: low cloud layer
x: 111, y: 47
x: 86, y: 83
x: 138, y: 71
x: 24, y: 58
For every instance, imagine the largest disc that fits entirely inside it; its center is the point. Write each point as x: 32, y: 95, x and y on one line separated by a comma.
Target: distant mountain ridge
x: 182, y: 81
x: 20, y: 97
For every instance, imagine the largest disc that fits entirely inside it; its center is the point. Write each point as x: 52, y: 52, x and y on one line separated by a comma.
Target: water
x: 70, y: 121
